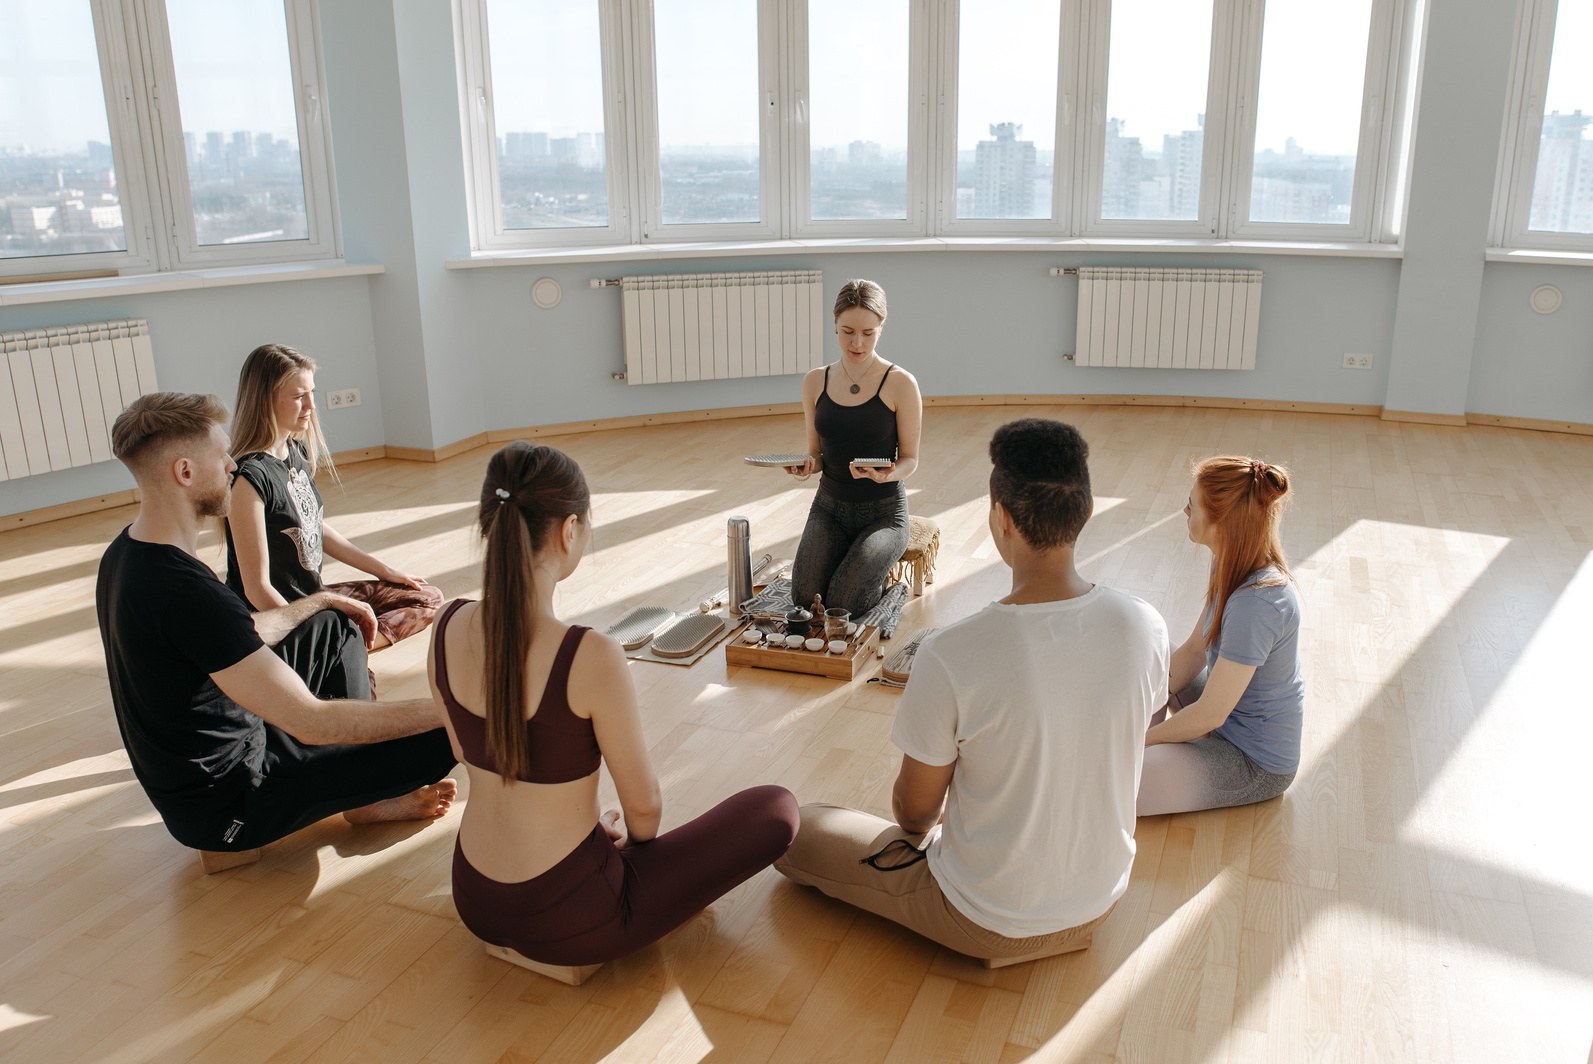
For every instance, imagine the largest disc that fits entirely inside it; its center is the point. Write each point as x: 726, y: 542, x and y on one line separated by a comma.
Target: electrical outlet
x: 1353, y: 361
x: 340, y: 399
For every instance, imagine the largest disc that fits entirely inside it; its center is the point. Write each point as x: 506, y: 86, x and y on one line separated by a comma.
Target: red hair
x: 1243, y: 500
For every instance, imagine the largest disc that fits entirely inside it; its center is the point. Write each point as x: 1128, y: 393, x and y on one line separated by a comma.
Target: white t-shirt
x: 1043, y: 707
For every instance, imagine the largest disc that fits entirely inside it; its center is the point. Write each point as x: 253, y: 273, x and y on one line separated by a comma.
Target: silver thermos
x: 738, y: 535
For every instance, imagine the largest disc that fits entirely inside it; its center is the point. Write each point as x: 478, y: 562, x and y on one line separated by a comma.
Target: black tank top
x: 846, y: 433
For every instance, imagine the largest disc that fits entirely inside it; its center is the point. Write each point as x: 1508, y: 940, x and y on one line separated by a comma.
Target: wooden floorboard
x: 1423, y: 892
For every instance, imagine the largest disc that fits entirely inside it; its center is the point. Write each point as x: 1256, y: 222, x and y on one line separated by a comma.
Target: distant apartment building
x: 1124, y: 165
x: 525, y: 145
x: 32, y: 219
x: 865, y: 153
x: 1562, y: 193
x: 1004, y: 171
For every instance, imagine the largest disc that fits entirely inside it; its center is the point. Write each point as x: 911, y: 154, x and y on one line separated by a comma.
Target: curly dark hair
x: 1042, y: 477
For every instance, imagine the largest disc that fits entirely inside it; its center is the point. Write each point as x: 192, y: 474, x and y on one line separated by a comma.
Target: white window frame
x: 799, y: 207
x: 1083, y: 54
x: 948, y: 103
x: 477, y: 120
x: 151, y: 162
x: 1095, y: 73
x: 1379, y: 114
x: 118, y: 77
x: 1523, y: 129
x: 649, y: 148
x: 315, y: 149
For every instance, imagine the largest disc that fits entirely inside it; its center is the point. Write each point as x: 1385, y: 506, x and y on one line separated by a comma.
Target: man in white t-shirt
x: 1022, y: 730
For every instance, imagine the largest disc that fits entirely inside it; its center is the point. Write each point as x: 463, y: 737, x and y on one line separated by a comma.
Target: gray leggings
x: 1210, y: 773
x: 848, y: 549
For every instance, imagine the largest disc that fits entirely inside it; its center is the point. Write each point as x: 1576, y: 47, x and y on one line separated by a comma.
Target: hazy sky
x: 1006, y: 70
x: 232, y: 71
x: 857, y: 81
x: 1313, y: 71
x: 50, y: 92
x: 706, y: 95
x: 1570, y: 70
x: 1157, y: 67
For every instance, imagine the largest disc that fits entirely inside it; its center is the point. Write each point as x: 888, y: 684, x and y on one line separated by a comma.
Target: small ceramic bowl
x: 752, y: 635
x: 851, y: 628
x: 794, y: 641
x: 837, y: 646
x: 815, y: 644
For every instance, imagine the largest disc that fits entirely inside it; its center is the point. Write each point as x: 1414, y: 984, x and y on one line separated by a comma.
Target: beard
x: 213, y: 504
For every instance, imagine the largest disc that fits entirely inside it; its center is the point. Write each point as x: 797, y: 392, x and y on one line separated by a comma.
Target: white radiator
x: 1168, y: 319
x: 62, y: 387
x: 704, y: 326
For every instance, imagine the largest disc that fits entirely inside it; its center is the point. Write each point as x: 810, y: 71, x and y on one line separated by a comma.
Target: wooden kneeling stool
x: 918, y: 560
x: 570, y: 976
x: 213, y: 861
x: 1065, y: 947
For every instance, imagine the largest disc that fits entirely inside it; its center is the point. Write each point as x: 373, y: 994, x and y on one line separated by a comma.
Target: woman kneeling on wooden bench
x: 533, y: 707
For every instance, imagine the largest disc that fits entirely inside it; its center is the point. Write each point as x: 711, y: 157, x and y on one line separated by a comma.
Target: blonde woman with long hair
x: 275, y: 533
x: 1235, y: 740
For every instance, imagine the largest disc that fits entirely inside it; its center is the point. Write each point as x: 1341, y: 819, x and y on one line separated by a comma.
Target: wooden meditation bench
x: 918, y: 560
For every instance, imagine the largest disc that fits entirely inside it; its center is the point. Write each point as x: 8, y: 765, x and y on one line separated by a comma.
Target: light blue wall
x: 1529, y: 364
x: 1458, y: 114
x: 441, y: 355
x: 201, y: 338
x: 965, y: 323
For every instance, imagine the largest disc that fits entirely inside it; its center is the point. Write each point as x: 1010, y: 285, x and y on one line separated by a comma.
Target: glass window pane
x: 240, y: 124
x: 1308, y: 110
x: 58, y: 193
x: 1155, y: 108
x: 708, y: 111
x: 857, y: 87
x: 1562, y: 194
x: 547, y: 101
x: 1006, y: 108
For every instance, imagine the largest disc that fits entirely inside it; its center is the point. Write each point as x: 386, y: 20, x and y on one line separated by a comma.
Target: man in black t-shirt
x: 237, y: 745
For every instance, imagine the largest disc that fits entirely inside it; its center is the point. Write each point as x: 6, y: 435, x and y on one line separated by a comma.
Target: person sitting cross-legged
x: 1021, y: 730
x: 236, y: 745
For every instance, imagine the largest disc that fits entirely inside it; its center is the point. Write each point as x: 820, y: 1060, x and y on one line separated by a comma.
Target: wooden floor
x: 1424, y: 891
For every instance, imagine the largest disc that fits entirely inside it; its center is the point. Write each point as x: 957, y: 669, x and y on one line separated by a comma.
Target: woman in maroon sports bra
x: 533, y: 706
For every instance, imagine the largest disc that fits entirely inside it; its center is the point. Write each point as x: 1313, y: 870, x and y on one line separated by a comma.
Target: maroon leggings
x: 603, y: 902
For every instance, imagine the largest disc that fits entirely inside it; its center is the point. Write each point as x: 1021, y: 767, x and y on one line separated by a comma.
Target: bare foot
x: 425, y: 803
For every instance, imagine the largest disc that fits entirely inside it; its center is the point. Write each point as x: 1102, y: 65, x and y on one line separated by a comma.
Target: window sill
x: 1542, y: 258
x: 731, y: 249
x: 179, y: 280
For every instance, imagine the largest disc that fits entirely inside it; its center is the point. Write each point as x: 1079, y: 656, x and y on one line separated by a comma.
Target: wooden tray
x: 815, y: 663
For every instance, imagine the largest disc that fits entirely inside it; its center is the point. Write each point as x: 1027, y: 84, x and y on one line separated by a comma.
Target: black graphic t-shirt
x: 293, y: 513
x: 167, y: 623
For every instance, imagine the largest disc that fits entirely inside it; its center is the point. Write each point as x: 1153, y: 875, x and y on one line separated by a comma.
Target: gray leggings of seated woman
x: 1210, y: 773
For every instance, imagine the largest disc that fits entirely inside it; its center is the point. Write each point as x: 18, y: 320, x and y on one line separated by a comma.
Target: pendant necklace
x: 855, y: 386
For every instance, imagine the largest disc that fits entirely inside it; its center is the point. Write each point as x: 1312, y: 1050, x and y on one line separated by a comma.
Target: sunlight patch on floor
x: 1515, y: 793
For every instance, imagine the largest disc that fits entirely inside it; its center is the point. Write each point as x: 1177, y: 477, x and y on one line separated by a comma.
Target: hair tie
x: 1257, y: 468
x: 503, y: 496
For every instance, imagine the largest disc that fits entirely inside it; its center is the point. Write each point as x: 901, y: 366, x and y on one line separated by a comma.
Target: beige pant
x: 831, y: 851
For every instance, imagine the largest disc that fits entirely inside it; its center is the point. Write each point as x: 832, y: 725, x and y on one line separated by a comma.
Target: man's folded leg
x: 870, y: 862
x: 304, y: 784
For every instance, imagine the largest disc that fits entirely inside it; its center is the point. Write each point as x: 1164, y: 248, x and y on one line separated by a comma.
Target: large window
x: 210, y: 150
x: 1546, y: 194
x: 1153, y: 142
x: 734, y: 119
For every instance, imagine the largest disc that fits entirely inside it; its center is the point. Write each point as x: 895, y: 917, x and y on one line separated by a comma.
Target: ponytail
x: 1243, y: 501
x: 528, y: 492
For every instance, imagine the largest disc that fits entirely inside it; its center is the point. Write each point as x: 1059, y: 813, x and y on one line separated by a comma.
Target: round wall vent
x: 546, y: 293
x: 1545, y: 299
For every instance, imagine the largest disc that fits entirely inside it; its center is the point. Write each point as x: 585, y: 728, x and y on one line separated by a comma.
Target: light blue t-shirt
x: 1261, y: 627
